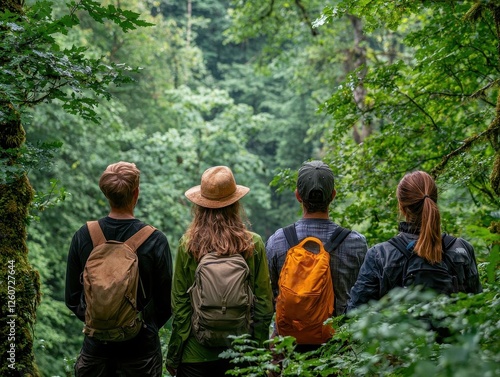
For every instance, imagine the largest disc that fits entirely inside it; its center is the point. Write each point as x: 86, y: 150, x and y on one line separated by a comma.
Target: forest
x: 373, y: 88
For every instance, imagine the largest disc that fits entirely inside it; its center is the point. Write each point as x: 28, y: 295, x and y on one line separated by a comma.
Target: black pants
x: 216, y: 368
x: 93, y: 366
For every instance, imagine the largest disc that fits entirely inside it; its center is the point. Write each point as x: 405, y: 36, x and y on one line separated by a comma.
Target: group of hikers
x: 121, y: 282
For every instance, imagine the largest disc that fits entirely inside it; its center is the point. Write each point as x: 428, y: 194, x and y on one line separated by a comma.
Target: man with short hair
x: 141, y: 355
x: 315, y: 191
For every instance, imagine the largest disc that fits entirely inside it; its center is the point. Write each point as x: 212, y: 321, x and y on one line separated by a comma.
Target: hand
x: 172, y: 371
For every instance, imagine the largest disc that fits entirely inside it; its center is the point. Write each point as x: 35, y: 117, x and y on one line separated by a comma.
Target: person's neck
x: 316, y: 215
x: 121, y: 214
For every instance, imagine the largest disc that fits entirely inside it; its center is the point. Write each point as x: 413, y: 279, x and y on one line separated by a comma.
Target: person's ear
x: 334, y: 194
x: 297, y: 196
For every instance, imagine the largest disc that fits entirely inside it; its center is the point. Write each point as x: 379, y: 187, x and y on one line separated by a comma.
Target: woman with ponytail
x: 383, y: 266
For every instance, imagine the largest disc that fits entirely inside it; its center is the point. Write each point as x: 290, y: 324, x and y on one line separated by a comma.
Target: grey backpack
x: 221, y: 298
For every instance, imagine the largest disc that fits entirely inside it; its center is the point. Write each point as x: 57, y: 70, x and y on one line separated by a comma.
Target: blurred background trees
x: 374, y: 90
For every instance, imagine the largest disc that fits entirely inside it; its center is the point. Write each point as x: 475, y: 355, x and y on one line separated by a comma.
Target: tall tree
x: 20, y: 291
x: 36, y: 69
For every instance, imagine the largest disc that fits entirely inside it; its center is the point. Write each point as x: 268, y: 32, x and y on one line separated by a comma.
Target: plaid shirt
x: 345, y: 262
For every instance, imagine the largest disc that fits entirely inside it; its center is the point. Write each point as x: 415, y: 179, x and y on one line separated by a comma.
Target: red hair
x: 417, y: 196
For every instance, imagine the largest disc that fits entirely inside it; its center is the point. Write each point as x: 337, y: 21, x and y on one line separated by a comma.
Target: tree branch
x: 438, y: 169
x: 305, y: 16
x: 481, y: 92
x: 268, y: 13
x: 421, y: 109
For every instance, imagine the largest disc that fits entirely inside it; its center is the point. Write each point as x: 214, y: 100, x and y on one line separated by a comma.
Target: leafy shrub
x: 407, y: 333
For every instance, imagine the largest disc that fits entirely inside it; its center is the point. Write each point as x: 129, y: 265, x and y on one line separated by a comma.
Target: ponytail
x: 429, y: 242
x: 417, y: 197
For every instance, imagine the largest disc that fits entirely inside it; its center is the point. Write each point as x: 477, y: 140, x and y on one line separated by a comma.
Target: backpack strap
x: 134, y: 242
x: 407, y: 249
x: 96, y: 233
x: 338, y: 236
x: 448, y: 241
x: 138, y: 238
x: 402, y: 246
x: 291, y: 235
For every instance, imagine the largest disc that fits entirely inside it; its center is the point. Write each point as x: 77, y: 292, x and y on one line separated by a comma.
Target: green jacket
x: 183, y: 346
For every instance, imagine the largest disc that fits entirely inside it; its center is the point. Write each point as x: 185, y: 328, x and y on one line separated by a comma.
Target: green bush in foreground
x: 393, y: 337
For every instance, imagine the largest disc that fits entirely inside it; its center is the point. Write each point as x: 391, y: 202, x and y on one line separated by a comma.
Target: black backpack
x: 442, y: 277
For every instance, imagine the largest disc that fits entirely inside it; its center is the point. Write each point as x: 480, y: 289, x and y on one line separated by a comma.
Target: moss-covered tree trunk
x: 495, y: 136
x: 19, y: 282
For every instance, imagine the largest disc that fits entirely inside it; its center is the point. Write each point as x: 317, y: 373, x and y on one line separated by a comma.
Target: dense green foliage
x: 373, y: 88
x: 428, y: 105
x: 427, y: 93
x: 392, y: 337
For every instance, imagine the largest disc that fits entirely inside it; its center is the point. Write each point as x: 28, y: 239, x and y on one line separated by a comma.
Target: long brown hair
x: 219, y: 230
x: 417, y: 196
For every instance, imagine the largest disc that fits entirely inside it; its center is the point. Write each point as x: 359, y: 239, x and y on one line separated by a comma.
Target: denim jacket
x: 382, y: 269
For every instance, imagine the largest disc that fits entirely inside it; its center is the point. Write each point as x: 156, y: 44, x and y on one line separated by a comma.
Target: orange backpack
x: 306, y: 296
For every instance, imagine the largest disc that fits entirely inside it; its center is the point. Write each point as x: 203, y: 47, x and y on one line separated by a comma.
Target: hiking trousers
x: 93, y: 366
x: 215, y: 368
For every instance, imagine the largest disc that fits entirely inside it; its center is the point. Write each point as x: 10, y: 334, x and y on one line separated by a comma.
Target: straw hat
x: 218, y: 189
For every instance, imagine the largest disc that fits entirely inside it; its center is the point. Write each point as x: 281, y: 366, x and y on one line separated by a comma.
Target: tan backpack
x: 222, y: 299
x: 110, y: 282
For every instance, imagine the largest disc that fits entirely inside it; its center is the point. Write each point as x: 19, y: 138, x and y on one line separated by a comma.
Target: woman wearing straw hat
x: 216, y: 227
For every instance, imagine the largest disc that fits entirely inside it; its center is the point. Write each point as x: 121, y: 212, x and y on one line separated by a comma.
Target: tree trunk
x: 495, y: 137
x: 357, y: 59
x: 19, y: 282
x: 188, y: 26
